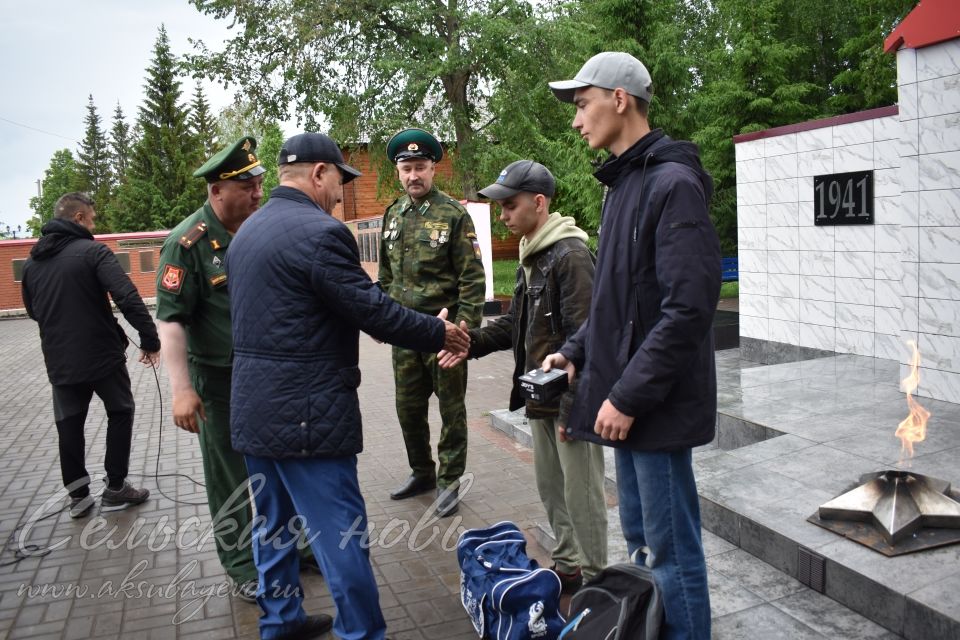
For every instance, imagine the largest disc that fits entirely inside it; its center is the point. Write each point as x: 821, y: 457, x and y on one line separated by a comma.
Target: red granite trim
x: 847, y: 118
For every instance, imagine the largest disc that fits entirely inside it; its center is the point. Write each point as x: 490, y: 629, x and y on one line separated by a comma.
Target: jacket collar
x: 292, y: 193
x: 613, y: 169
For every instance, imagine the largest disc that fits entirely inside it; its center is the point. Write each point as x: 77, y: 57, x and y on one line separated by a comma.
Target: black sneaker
x: 79, y: 507
x: 569, y: 582
x: 119, y: 499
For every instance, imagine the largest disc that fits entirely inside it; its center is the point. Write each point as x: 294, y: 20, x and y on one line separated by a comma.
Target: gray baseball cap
x: 608, y: 70
x: 522, y: 175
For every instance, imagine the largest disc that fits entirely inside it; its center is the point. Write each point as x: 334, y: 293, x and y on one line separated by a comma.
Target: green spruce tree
x: 159, y: 190
x: 203, y: 125
x: 93, y: 163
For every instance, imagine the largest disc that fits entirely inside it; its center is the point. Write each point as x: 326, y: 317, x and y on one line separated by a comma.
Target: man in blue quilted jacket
x: 299, y: 300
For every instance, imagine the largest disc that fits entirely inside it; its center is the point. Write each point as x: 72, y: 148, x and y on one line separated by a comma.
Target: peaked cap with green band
x: 413, y: 143
x: 236, y: 162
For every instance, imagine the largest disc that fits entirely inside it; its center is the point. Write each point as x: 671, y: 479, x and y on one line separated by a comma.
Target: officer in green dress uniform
x: 430, y: 260
x: 193, y: 313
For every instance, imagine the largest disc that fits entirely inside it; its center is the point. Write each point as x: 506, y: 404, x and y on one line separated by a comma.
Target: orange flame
x: 914, y: 426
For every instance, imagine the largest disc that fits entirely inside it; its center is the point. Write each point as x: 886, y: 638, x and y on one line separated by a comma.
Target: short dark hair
x: 68, y: 204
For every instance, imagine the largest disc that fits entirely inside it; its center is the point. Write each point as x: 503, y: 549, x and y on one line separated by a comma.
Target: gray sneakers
x: 126, y: 496
x: 80, y: 507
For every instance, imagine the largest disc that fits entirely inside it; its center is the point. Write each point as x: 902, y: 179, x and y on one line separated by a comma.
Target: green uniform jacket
x: 192, y: 287
x: 430, y: 257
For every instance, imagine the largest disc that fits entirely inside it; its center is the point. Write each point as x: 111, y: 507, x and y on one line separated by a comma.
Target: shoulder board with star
x: 188, y: 239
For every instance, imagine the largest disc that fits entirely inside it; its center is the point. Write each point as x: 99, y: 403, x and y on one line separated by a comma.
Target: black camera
x: 543, y: 386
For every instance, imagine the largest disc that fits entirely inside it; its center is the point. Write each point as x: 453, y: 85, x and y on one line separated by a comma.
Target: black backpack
x: 622, y: 602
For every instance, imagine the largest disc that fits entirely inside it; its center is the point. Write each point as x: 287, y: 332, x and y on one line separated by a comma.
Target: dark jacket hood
x: 655, y: 148
x: 56, y: 235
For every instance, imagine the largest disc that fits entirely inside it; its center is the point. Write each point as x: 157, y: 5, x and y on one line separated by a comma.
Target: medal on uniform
x: 390, y: 246
x: 433, y: 238
x: 443, y: 237
x: 394, y: 233
x: 217, y: 261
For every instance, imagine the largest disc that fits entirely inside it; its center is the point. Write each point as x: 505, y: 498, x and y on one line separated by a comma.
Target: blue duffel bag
x: 505, y: 593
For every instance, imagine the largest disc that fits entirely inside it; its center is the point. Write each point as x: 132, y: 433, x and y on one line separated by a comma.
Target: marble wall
x: 863, y: 289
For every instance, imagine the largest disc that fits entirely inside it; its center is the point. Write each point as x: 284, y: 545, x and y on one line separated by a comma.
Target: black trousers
x: 70, y: 405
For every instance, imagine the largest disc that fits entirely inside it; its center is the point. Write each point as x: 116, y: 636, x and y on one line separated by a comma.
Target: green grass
x: 505, y: 278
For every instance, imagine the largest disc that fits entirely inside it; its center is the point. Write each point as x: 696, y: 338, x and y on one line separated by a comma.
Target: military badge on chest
x: 391, y: 233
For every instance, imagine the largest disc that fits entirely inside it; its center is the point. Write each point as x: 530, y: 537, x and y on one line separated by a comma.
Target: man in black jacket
x: 645, y: 355
x: 550, y: 302
x: 65, y: 285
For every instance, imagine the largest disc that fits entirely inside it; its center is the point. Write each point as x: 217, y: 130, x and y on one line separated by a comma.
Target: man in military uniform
x: 430, y: 259
x: 193, y: 313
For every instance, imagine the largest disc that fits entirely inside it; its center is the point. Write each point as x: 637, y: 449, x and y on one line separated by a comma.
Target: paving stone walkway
x: 141, y: 573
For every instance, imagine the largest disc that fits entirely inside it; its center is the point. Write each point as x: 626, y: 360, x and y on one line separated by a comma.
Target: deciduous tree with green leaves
x: 62, y: 176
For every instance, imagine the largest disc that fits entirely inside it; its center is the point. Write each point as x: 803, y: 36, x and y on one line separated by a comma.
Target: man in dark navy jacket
x: 645, y: 354
x: 299, y: 300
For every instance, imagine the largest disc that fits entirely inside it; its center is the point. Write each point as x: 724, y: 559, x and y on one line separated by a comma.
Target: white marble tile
x: 781, y: 190
x: 887, y: 128
x: 853, y: 341
x: 779, y: 145
x: 783, y: 238
x: 855, y: 237
x: 894, y: 211
x: 752, y: 260
x: 784, y: 308
x: 855, y: 291
x: 784, y: 331
x: 889, y: 320
x: 907, y: 101
x: 910, y: 277
x: 817, y: 238
x: 784, y: 285
x: 906, y: 66
x: 940, y: 316
x: 940, y: 244
x: 783, y: 214
x: 935, y: 61
x: 750, y: 170
x: 940, y: 171
x: 818, y: 312
x: 889, y: 293
x: 752, y: 238
x: 754, y: 305
x: 940, y: 133
x: 855, y: 316
x: 909, y: 137
x: 748, y: 150
x: 815, y: 163
x: 783, y: 262
x: 857, y: 157
x: 938, y: 96
x: 940, y: 352
x: 815, y: 139
x: 888, y: 266
x: 888, y: 346
x: 819, y: 288
x: 941, y: 385
x: 816, y: 336
x: 888, y: 238
x: 751, y: 193
x: 751, y: 215
x: 911, y: 314
x: 940, y: 208
x: 817, y: 263
x: 886, y: 155
x: 753, y: 283
x: 910, y: 172
x: 754, y: 327
x: 781, y: 167
x: 909, y: 243
x: 855, y: 264
x: 853, y: 133
x: 886, y: 182
x: 806, y: 211
x: 941, y: 281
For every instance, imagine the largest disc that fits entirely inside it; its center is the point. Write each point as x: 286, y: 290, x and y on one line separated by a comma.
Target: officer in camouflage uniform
x: 193, y: 313
x: 430, y: 260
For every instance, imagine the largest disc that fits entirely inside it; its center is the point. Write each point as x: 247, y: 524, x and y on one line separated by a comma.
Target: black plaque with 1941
x: 843, y: 198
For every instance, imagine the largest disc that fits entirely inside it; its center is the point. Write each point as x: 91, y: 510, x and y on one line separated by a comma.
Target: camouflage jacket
x: 430, y: 257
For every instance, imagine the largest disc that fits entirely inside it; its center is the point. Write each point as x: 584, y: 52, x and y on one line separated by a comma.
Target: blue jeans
x: 326, y: 493
x: 659, y: 509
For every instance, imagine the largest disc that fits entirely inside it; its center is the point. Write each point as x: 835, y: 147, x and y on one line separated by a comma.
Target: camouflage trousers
x: 417, y: 377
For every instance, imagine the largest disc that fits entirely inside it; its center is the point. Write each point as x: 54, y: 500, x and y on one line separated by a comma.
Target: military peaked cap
x: 413, y: 143
x: 236, y: 162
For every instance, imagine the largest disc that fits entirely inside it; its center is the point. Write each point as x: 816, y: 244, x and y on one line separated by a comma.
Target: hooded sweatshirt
x: 557, y: 227
x: 66, y: 282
